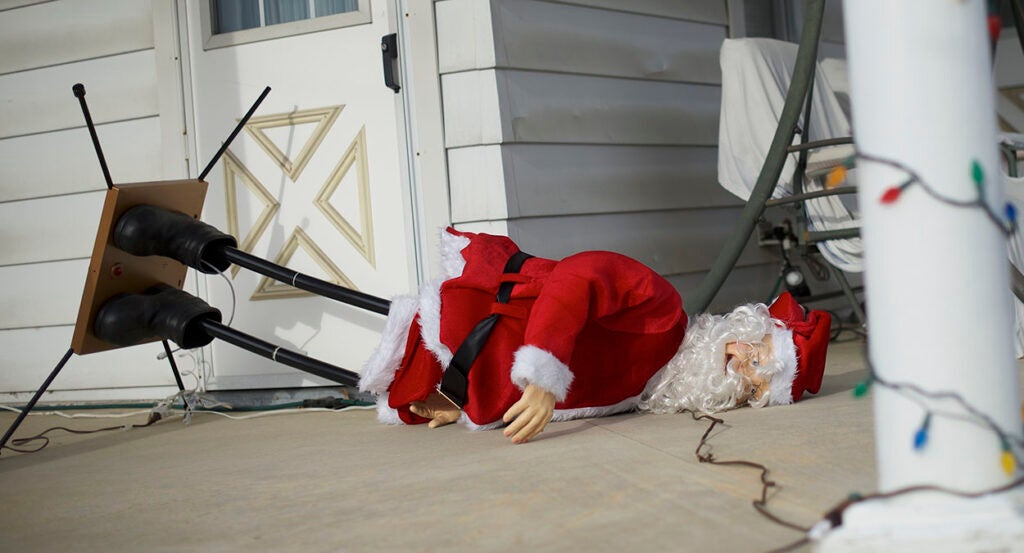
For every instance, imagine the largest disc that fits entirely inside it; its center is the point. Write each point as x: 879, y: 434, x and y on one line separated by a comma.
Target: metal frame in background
x: 797, y: 98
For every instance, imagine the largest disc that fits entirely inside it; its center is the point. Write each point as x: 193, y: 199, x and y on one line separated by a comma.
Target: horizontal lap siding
x: 69, y: 165
x: 561, y: 108
x: 546, y: 107
x: 593, y: 125
x: 708, y: 11
x: 51, y: 184
x: 670, y: 242
x: 61, y: 227
x: 41, y: 294
x: 11, y: 4
x: 563, y: 38
x: 118, y: 88
x: 602, y: 179
x: 73, y: 30
x: 748, y: 283
x: 134, y: 367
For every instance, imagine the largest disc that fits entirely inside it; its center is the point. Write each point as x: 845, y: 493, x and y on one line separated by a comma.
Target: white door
x: 315, y: 183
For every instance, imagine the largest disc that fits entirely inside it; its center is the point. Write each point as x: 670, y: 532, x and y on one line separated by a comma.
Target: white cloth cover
x: 1015, y: 194
x: 756, y: 73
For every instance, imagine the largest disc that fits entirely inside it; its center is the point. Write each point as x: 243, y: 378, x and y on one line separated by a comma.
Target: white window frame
x: 270, y: 32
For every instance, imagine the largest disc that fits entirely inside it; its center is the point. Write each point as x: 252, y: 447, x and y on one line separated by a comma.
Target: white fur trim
x: 385, y: 413
x: 379, y: 369
x: 430, y: 322
x: 627, y: 404
x: 464, y: 420
x: 781, y: 387
x: 452, y: 265
x: 452, y: 262
x: 533, y: 365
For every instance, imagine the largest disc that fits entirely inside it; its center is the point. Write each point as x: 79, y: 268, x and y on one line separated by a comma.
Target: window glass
x: 331, y: 7
x: 284, y: 11
x: 236, y: 15
x: 235, y: 22
x: 239, y: 15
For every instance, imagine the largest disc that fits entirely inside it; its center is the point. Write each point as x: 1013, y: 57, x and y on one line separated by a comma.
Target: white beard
x: 697, y: 378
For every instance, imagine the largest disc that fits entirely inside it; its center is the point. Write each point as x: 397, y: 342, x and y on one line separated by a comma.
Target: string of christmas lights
x: 1008, y: 458
x: 761, y: 504
x: 1006, y: 221
x: 833, y: 518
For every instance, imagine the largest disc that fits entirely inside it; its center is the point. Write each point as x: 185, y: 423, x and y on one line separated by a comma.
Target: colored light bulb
x: 1008, y: 462
x: 977, y: 173
x: 835, y: 177
x: 891, y: 195
x: 862, y: 387
x: 921, y: 437
x: 995, y: 26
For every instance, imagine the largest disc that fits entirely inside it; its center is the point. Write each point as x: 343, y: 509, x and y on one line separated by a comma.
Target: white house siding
x: 592, y: 124
x: 51, y: 185
x: 832, y: 43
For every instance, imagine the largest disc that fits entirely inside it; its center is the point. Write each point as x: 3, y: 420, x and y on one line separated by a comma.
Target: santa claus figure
x: 504, y: 338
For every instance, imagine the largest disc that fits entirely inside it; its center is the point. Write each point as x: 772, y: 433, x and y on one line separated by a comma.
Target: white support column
x: 938, y: 296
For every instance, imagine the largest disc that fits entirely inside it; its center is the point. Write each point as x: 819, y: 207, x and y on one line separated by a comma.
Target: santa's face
x: 744, y: 358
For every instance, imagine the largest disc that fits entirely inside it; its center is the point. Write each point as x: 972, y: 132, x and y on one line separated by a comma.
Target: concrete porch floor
x: 343, y: 482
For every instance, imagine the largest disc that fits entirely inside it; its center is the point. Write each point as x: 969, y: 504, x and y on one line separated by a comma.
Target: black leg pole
x: 35, y: 399
x: 234, y: 133
x: 79, y: 90
x: 307, y: 283
x: 279, y: 354
x: 174, y: 370
x: 174, y: 366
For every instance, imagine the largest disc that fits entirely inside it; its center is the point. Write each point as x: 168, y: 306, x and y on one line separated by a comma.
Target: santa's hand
x: 439, y: 410
x: 530, y: 414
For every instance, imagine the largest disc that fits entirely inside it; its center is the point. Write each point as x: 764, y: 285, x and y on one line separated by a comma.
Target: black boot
x: 161, y: 311
x: 149, y: 230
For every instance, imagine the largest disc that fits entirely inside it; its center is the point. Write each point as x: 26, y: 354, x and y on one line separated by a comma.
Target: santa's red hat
x: 800, y: 343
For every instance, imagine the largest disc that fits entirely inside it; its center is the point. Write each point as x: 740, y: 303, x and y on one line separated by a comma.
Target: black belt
x: 455, y: 382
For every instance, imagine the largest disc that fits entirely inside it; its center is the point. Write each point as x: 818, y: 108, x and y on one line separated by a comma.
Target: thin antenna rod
x: 79, y: 90
x: 234, y: 133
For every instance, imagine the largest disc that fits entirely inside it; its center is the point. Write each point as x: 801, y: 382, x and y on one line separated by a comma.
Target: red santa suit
x: 592, y: 329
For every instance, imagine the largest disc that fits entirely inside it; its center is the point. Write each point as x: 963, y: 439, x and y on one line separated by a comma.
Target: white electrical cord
x: 287, y: 411
x: 78, y: 415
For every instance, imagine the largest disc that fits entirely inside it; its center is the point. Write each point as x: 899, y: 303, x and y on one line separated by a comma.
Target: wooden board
x: 112, y: 271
